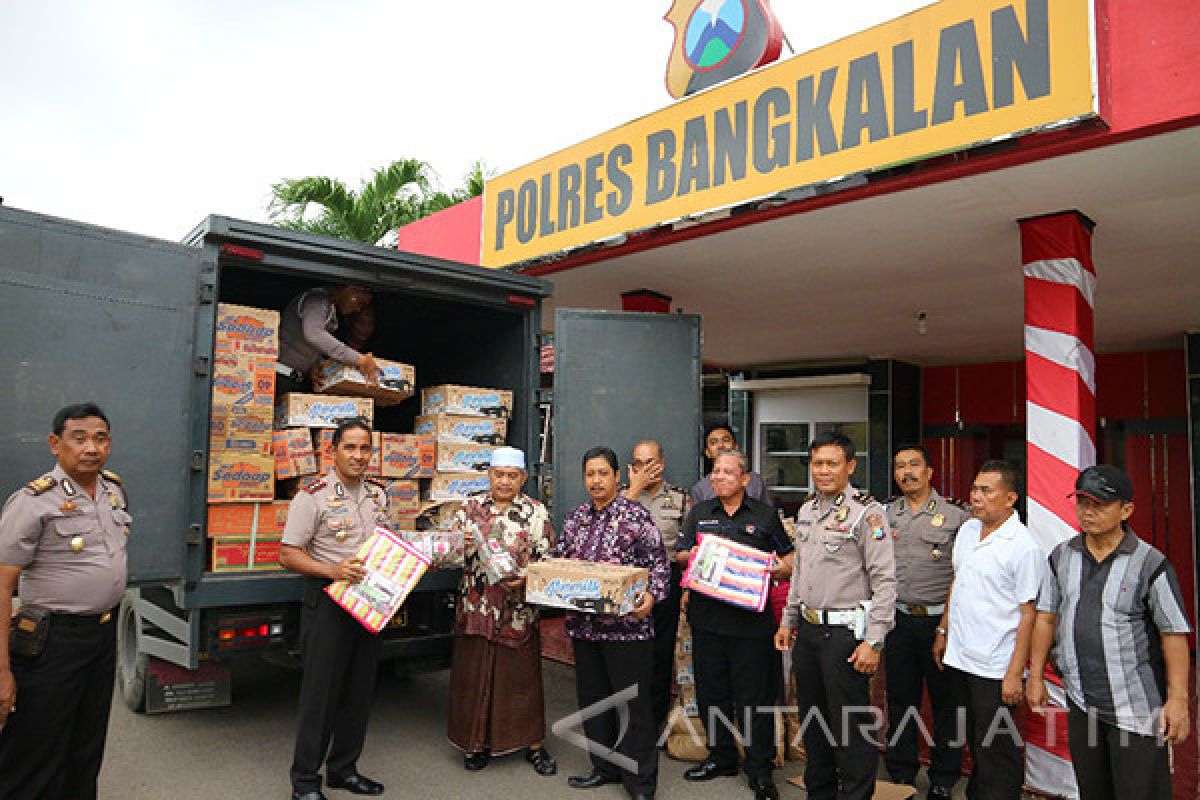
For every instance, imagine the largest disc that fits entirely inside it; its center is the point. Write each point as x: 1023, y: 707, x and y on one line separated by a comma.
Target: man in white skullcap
x: 496, y: 701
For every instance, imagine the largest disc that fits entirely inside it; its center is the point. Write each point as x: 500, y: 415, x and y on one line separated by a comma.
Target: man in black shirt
x: 732, y: 647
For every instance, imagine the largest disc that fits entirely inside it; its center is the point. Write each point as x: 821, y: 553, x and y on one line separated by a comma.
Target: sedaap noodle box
x: 407, y: 455
x: 242, y: 329
x: 396, y: 381
x: 476, y: 400
x: 235, y: 477
x: 463, y: 428
x: 463, y: 457
x: 298, y: 410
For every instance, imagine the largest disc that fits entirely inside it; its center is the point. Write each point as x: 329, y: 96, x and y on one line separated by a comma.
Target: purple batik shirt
x: 623, y: 532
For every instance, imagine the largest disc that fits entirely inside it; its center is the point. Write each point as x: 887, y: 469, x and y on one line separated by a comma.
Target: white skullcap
x: 508, y: 457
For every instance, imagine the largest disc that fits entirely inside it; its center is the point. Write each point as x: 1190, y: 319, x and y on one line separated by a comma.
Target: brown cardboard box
x: 463, y: 428
x: 293, y: 451
x: 233, y: 553
x: 456, y: 486
x: 439, y: 515
x: 298, y: 410
x: 404, y: 501
x: 476, y: 400
x: 237, y: 478
x: 463, y: 457
x: 586, y: 586
x: 253, y: 331
x: 406, y: 455
x: 247, y: 519
x: 242, y: 382
x: 396, y: 384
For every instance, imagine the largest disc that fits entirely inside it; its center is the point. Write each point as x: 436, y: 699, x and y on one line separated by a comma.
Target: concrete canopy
x: 847, y: 281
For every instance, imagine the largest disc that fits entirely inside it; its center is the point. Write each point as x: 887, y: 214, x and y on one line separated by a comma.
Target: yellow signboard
x: 946, y: 77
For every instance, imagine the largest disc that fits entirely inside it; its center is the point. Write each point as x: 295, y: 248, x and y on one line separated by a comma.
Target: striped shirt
x: 1110, y: 618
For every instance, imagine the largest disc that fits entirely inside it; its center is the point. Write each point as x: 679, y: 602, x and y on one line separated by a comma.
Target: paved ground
x: 244, y: 751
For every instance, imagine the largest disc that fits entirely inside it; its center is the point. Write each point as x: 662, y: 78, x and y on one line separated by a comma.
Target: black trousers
x: 1111, y: 764
x: 834, y: 704
x: 52, y: 745
x: 603, y: 669
x: 997, y: 753
x: 666, y: 629
x: 737, y: 676
x: 909, y: 668
x: 341, y: 659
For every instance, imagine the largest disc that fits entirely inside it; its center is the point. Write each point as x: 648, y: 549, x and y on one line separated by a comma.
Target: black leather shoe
x: 543, y: 762
x: 709, y: 770
x: 313, y: 795
x: 355, y: 784
x: 940, y: 793
x: 590, y: 781
x: 476, y: 761
x: 764, y: 789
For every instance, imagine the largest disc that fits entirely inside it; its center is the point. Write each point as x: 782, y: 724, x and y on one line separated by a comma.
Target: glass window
x: 784, y: 458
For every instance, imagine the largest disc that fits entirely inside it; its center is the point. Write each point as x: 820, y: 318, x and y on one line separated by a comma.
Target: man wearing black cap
x: 1121, y: 646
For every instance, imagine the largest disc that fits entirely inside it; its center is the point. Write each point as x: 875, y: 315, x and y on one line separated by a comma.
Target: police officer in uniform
x: 668, y: 504
x: 736, y: 666
x: 923, y: 525
x: 839, y: 611
x: 306, y: 335
x: 64, y: 537
x: 327, y: 523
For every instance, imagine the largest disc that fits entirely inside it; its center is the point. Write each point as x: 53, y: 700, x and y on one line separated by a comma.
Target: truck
x: 89, y: 313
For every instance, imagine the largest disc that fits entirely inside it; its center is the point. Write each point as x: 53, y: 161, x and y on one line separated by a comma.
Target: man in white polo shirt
x: 987, y: 629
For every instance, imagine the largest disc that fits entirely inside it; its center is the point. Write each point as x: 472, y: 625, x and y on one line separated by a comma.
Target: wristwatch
x: 941, y: 630
x: 876, y: 646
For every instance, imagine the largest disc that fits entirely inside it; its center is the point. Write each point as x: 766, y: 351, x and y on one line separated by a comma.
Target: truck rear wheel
x: 131, y: 665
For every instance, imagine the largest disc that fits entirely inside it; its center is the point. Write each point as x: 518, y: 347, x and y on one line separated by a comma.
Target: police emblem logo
x: 938, y: 520
x: 878, y: 530
x: 716, y: 40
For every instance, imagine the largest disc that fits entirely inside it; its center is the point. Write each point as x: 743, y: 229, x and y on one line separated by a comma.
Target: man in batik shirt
x: 496, y: 702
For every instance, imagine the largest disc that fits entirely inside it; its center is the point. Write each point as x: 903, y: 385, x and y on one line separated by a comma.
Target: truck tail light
x: 521, y: 300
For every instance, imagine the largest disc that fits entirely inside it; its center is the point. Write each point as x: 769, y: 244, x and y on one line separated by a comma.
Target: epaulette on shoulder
x: 954, y: 501
x: 316, y: 486
x: 42, y: 485
x: 891, y: 500
x: 864, y: 498
x: 376, y: 482
x: 671, y: 487
x: 111, y: 476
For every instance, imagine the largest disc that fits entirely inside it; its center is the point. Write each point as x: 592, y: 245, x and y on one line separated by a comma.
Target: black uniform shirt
x: 755, y: 524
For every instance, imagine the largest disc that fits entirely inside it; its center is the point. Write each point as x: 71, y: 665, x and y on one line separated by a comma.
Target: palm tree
x: 395, y: 195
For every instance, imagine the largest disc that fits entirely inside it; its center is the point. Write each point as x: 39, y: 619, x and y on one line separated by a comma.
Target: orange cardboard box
x: 404, y: 501
x: 408, y: 455
x: 249, y: 330
x: 233, y: 553
x: 247, y: 519
x: 235, y: 477
x: 294, y: 454
x: 243, y: 382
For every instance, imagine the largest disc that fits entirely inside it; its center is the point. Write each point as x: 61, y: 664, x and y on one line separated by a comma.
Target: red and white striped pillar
x: 1060, y: 367
x: 1060, y: 437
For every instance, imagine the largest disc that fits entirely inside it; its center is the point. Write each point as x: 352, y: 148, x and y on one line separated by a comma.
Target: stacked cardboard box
x: 298, y: 410
x: 241, y: 457
x: 468, y: 422
x: 246, y: 536
x: 294, y: 456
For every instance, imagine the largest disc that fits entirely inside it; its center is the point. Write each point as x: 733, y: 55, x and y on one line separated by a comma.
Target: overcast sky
x: 146, y: 116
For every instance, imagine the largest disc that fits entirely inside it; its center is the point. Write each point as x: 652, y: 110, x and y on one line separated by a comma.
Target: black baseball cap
x: 1104, y: 483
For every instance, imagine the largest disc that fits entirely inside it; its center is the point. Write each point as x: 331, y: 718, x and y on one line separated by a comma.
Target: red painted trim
x: 1059, y: 307
x: 1059, y: 389
x: 1026, y: 150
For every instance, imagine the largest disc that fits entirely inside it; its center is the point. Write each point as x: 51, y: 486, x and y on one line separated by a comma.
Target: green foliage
x: 395, y: 195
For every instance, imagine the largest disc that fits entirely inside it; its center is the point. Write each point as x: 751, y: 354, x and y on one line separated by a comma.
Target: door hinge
x: 197, y: 461
x: 200, y: 366
x: 195, y: 536
x: 206, y: 293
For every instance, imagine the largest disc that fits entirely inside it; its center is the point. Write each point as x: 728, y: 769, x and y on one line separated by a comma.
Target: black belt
x: 83, y: 620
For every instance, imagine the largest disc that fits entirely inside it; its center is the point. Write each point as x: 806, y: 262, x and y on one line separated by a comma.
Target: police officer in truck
x: 63, y: 536
x: 306, y: 330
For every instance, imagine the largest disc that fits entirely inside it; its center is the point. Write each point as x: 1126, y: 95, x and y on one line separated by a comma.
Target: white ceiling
x: 848, y: 281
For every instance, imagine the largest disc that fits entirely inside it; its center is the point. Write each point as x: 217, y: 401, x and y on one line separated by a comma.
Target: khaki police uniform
x: 843, y: 592
x: 306, y: 336
x: 330, y: 521
x: 668, y: 505
x: 71, y: 550
x: 923, y: 540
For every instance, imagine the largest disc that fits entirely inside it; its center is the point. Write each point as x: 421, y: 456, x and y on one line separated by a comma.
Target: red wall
x: 453, y: 234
